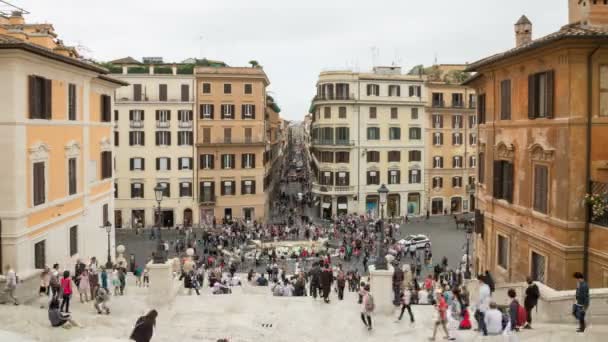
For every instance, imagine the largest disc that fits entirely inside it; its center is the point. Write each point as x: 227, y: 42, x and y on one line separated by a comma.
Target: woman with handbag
x: 144, y: 327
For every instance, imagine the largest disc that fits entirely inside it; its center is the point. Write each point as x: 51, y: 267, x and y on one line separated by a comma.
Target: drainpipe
x: 587, y: 232
x: 358, y: 149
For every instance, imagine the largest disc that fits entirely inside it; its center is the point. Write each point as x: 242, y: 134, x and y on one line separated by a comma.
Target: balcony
x: 458, y: 104
x: 438, y: 104
x: 184, y: 124
x: 163, y: 124
x: 336, y: 97
x: 207, y: 199
x: 320, y: 188
x: 330, y: 142
x: 136, y: 124
x: 472, y: 105
x: 246, y: 140
x: 129, y: 99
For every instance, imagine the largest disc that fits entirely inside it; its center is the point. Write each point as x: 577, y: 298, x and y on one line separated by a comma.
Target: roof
x: 113, y: 80
x: 571, y: 31
x: 523, y: 21
x: 8, y: 42
x: 126, y: 60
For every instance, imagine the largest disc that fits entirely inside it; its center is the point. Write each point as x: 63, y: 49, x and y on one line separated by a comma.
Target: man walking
x: 582, y: 301
x: 483, y: 304
x: 397, y: 283
x: 442, y: 320
x: 531, y: 300
x: 11, y: 284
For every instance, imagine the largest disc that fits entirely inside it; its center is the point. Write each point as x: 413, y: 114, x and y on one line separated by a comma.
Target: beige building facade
x: 231, y: 143
x: 154, y: 140
x: 451, y: 144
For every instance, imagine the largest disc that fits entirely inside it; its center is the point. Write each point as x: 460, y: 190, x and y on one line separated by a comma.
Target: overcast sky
x: 296, y: 39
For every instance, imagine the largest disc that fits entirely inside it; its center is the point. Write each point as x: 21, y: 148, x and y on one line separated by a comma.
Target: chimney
x: 523, y: 31
x: 588, y: 12
x: 16, y: 18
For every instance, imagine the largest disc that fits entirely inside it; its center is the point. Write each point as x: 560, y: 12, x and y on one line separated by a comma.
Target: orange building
x: 543, y: 133
x: 56, y: 140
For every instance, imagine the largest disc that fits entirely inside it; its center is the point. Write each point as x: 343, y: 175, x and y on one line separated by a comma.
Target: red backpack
x: 522, y: 316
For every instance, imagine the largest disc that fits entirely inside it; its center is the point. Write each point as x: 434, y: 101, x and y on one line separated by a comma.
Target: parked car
x: 421, y: 241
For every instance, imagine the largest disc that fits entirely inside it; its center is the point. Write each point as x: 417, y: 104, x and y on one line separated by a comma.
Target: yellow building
x: 56, y: 140
x: 231, y: 142
x: 543, y: 128
x: 451, y: 138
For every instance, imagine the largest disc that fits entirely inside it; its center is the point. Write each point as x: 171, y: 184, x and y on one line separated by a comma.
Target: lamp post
x: 380, y: 261
x: 159, y: 256
x: 108, y: 227
x: 467, y: 272
x: 469, y: 231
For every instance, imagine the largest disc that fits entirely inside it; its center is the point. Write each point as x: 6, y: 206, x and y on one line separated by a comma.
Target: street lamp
x: 159, y: 256
x: 467, y: 272
x: 108, y: 227
x: 380, y: 261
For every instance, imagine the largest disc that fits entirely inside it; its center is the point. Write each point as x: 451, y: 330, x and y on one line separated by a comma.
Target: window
x: 437, y: 206
x: 414, y: 177
x: 228, y: 188
x: 137, y: 164
x: 394, y: 90
x: 373, y: 90
x: 394, y: 113
x: 481, y: 109
x: 373, y: 114
x: 341, y: 112
x: 457, y: 100
x: 456, y: 139
x: 472, y: 139
x: 342, y: 157
x: 482, y: 167
x: 326, y: 178
x: 373, y: 178
x: 373, y: 133
x: 184, y: 117
x: 603, y: 90
x: 394, y: 133
x: 207, y: 191
x: 248, y: 134
x: 106, y: 165
x: 472, y: 162
x: 227, y: 88
x: 39, y: 186
x: 471, y: 180
x: 185, y: 92
x: 540, y: 95
x: 472, y: 101
x: 206, y: 161
x: 437, y: 182
x: 415, y: 133
x: 40, y: 254
x: 248, y: 187
x: 40, y: 90
x: 342, y: 91
x: 206, y: 111
x: 248, y: 89
x: 414, y: 115
x: 457, y: 121
x: 541, y: 188
x: 163, y: 138
x: 184, y: 163
x: 72, y: 186
x: 342, y: 178
x: 373, y: 156
x: 185, y: 189
x: 342, y: 135
x: 227, y: 135
x: 326, y: 157
x: 184, y: 138
x: 327, y: 112
x: 166, y: 189
x: 228, y: 161
x: 505, y: 100
x: 248, y: 111
x: 162, y: 92
x: 415, y: 156
x: 73, y: 240
x: 136, y: 138
x: 394, y: 156
x: 248, y: 161
x: 457, y: 182
x: 137, y: 93
x: 414, y: 91
x: 537, y: 265
x: 437, y: 121
x: 136, y: 118
x: 227, y: 111
x: 437, y: 162
x: 502, y: 251
x: 437, y: 139
x: 206, y: 134
x: 163, y: 164
x: 394, y: 177
x: 163, y: 117
x: 472, y: 121
x: 137, y: 190
x: 116, y: 138
x: 457, y: 162
x: 71, y: 101
x: 503, y: 180
x: 206, y: 88
x: 106, y: 108
x: 437, y: 100
x: 115, y: 114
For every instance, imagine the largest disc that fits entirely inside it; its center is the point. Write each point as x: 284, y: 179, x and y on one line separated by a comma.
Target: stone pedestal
x: 163, y: 286
x: 381, y: 283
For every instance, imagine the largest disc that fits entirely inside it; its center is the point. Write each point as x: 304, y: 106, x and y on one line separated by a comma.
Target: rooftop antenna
x: 375, y: 53
x: 435, y: 62
x: 200, y: 46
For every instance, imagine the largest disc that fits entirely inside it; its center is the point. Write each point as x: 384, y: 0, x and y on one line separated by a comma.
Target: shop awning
x: 326, y: 205
x: 342, y: 206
